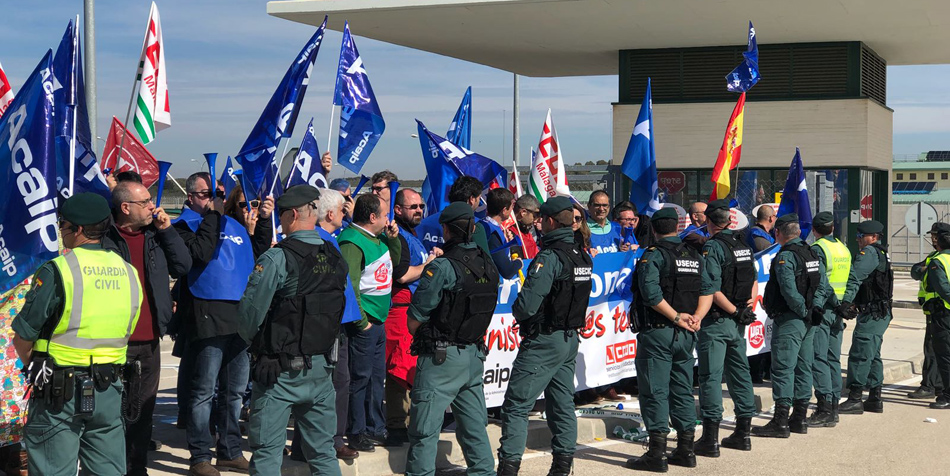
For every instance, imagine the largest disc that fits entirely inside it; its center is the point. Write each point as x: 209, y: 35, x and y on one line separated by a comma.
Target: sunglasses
x: 417, y: 206
x: 202, y: 194
x: 578, y: 219
x: 254, y: 204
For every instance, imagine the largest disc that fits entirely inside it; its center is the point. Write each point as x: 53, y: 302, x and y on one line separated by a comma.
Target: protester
x: 526, y: 217
x: 581, y: 231
x: 465, y: 189
x: 695, y: 235
x: 342, y: 186
x: 625, y: 215
x: 605, y: 235
x: 760, y: 234
x: 500, y: 204
x: 380, y: 187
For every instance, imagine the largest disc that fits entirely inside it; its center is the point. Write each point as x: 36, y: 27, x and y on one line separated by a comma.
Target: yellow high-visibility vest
x: 944, y: 259
x: 837, y: 263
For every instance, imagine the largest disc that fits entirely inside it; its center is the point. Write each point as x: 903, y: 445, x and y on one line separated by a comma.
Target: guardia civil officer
x: 795, y: 287
x: 290, y: 313
x: 938, y: 305
x: 73, y: 331
x: 550, y: 308
x: 729, y: 284
x: 870, y: 289
x: 448, y: 316
x: 667, y: 278
x: 828, y: 327
x: 930, y: 383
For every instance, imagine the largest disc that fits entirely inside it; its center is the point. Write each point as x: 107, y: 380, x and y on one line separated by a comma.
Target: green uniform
x: 545, y: 364
x: 792, y: 341
x: 939, y: 281
x: 828, y: 334
x: 722, y: 346
x: 308, y: 393
x: 865, y: 368
x: 55, y: 438
x: 457, y: 382
x: 930, y: 376
x: 664, y: 357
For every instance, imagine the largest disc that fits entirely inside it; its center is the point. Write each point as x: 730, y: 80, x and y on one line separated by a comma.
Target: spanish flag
x: 729, y: 153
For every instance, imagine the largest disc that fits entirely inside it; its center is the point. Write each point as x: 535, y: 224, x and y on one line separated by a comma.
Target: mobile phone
x: 87, y: 396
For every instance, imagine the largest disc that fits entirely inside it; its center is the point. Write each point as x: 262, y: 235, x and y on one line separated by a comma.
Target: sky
x: 226, y: 57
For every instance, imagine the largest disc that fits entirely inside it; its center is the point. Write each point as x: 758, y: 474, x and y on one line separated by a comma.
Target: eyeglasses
x: 417, y: 206
x: 254, y: 204
x: 378, y: 189
x: 577, y: 219
x: 600, y: 205
x: 141, y: 203
x: 202, y: 194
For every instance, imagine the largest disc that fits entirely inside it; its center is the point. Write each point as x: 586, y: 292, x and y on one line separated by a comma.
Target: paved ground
x: 896, y: 442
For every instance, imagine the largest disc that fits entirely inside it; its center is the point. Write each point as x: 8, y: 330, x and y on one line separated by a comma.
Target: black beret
x: 939, y: 228
x: 555, y: 205
x: 716, y: 205
x: 662, y: 213
x: 823, y: 218
x: 787, y: 218
x: 85, y: 209
x: 870, y: 227
x: 456, y: 211
x: 297, y: 196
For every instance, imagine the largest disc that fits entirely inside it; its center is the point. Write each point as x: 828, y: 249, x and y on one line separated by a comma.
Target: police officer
x: 729, y: 284
x: 448, y: 316
x: 938, y: 306
x: 291, y: 312
x: 550, y: 308
x: 73, y: 331
x: 668, y: 279
x: 930, y: 383
x: 870, y: 289
x: 828, y: 328
x: 794, y: 289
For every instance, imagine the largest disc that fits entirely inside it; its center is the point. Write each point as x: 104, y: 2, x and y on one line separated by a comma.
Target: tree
x: 590, y: 162
x: 602, y: 162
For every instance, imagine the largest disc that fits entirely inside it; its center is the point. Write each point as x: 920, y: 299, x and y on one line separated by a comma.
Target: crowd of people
x: 365, y: 329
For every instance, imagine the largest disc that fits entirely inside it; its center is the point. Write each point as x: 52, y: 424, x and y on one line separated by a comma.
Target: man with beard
x: 527, y: 215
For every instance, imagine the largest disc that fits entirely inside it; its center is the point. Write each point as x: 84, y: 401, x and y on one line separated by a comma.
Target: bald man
x: 696, y: 234
x: 760, y: 234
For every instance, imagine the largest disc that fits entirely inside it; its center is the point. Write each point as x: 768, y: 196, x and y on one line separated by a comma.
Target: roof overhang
x: 582, y: 37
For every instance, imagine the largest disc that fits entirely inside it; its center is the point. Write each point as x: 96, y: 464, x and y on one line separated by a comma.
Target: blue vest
x: 351, y: 312
x: 429, y: 232
x: 225, y: 276
x: 757, y: 231
x: 493, y: 229
x: 417, y: 253
x: 608, y: 242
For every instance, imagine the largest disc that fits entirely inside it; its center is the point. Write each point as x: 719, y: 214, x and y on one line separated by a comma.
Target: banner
x: 134, y: 155
x: 361, y: 122
x: 548, y: 174
x: 639, y: 162
x: 152, y: 113
x: 308, y: 166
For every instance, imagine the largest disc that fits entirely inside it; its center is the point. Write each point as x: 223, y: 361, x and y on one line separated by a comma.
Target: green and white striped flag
x: 152, y: 113
x: 548, y: 175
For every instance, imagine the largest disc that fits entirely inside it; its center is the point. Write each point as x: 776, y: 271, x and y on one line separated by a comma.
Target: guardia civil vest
x: 565, y: 307
x: 807, y: 279
x: 738, y: 272
x: 308, y: 322
x: 679, y: 282
x: 944, y: 260
x: 878, y: 288
x: 837, y: 263
x: 225, y: 276
x: 756, y: 231
x: 925, y: 294
x: 463, y: 317
x: 376, y: 280
x: 102, y: 299
x: 417, y: 253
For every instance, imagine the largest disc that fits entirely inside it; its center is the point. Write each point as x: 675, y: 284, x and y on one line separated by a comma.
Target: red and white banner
x: 6, y: 92
x: 548, y: 174
x: 134, y: 155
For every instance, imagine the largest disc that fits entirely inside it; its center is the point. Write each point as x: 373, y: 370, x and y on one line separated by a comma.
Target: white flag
x: 152, y: 113
x: 548, y: 174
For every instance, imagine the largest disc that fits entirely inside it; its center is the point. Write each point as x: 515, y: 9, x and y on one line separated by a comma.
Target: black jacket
x: 166, y: 256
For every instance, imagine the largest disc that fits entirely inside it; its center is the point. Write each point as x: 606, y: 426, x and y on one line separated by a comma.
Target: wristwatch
x: 676, y: 320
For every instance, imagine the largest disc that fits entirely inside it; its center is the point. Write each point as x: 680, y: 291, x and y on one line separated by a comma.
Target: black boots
x: 777, y: 427
x: 834, y: 407
x: 561, y: 465
x: 942, y: 403
x: 683, y: 455
x: 797, y: 423
x: 854, y: 405
x: 739, y: 439
x: 823, y: 417
x: 708, y: 444
x: 508, y: 467
x: 874, y: 404
x: 655, y: 458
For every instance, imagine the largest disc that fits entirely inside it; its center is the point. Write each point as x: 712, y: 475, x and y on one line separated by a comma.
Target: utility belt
x: 877, y: 310
x: 744, y: 316
x: 290, y: 363
x: 55, y: 385
x: 438, y: 348
x: 539, y: 327
x: 936, y: 309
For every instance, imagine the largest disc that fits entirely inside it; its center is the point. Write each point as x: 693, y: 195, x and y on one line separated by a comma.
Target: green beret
x: 297, y: 196
x: 823, y: 218
x: 716, y: 205
x: 939, y: 228
x: 870, y: 227
x: 555, y: 205
x: 456, y: 211
x: 85, y: 209
x: 667, y: 212
x: 787, y: 218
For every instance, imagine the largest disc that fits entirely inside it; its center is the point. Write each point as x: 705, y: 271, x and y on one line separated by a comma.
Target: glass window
x: 913, y: 176
x: 900, y: 176
x: 943, y: 176
x: 930, y: 176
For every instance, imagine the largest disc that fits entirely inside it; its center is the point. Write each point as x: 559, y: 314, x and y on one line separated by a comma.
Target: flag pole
x: 135, y: 82
x: 330, y: 131
x: 169, y: 175
x: 279, y: 163
x: 75, y: 107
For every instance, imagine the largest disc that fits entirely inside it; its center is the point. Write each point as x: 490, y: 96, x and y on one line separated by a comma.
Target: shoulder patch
x: 429, y: 273
x: 781, y: 261
x: 39, y: 282
x: 258, y: 268
x: 538, y: 266
x: 705, y: 252
x: 861, y: 252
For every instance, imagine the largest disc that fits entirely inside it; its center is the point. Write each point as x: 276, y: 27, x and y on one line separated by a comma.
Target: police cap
x: 823, y: 218
x: 664, y: 213
x: 939, y: 228
x: 787, y: 218
x: 555, y: 205
x: 870, y: 227
x: 85, y: 209
x: 297, y: 196
x: 717, y: 205
x: 456, y: 211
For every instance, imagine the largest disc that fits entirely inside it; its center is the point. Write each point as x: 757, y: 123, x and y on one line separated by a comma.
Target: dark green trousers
x: 941, y: 343
x: 665, y: 376
x: 309, y: 394
x: 865, y: 368
x: 827, y: 367
x: 545, y: 364
x: 722, y: 350
x: 792, y: 354
x: 930, y: 374
x: 457, y: 382
x: 56, y: 440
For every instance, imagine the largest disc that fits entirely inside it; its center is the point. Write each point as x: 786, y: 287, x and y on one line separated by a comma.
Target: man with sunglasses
x: 143, y: 237
x: 527, y: 216
x: 223, y: 255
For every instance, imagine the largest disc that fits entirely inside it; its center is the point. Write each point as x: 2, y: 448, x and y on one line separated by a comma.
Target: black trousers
x: 930, y: 375
x: 139, y: 434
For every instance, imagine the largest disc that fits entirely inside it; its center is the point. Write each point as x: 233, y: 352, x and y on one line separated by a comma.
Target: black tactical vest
x: 306, y: 323
x: 680, y: 282
x: 565, y: 307
x: 878, y: 288
x: 738, y: 271
x: 462, y: 317
x: 807, y: 279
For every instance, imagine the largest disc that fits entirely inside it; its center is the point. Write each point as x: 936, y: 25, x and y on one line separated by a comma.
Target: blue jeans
x: 367, y: 375
x: 222, y: 360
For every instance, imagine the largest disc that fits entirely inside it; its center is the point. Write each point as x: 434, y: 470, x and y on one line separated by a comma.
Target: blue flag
x: 279, y: 116
x: 460, y: 131
x: 747, y: 190
x: 746, y: 74
x: 361, y: 122
x: 308, y: 168
x: 228, y: 178
x: 28, y: 221
x: 440, y: 172
x: 795, y: 195
x: 70, y: 98
x: 463, y: 162
x: 639, y: 162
